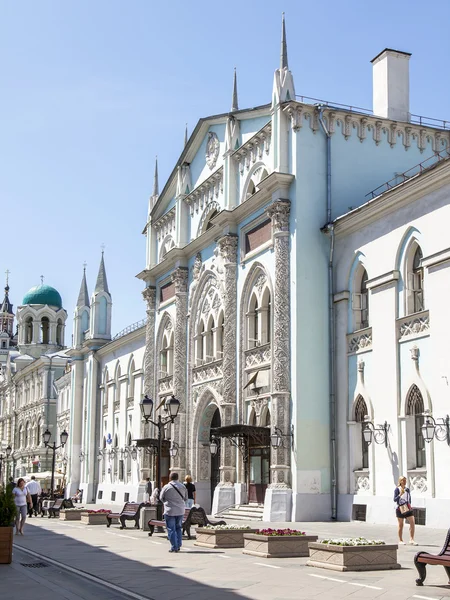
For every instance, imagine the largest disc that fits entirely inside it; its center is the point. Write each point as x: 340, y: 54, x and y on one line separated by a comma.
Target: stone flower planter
x: 353, y: 558
x: 277, y: 546
x: 93, y: 518
x: 221, y: 538
x: 71, y: 515
x: 6, y: 545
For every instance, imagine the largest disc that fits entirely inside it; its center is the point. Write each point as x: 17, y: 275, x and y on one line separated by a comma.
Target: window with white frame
x: 415, y: 409
x: 414, y: 281
x: 360, y: 300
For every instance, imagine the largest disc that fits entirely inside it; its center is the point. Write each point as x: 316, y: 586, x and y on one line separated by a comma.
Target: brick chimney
x: 391, y: 85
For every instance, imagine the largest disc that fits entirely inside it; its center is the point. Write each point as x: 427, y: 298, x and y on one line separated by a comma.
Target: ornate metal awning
x: 150, y: 443
x: 259, y: 436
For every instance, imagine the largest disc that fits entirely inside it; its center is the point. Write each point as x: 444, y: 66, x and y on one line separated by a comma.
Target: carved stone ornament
x: 414, y: 326
x: 180, y: 278
x: 212, y: 149
x: 279, y: 213
x: 419, y: 484
x: 228, y: 248
x: 362, y: 483
x: 358, y: 342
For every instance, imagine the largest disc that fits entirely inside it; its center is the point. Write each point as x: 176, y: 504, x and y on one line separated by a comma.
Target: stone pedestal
x: 224, y: 497
x: 147, y: 513
x: 353, y: 558
x: 277, y: 505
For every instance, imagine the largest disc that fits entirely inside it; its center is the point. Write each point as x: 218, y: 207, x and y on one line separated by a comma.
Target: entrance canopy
x: 150, y: 443
x: 254, y: 436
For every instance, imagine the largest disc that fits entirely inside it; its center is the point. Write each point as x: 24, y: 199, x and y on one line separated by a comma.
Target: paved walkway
x: 132, y: 563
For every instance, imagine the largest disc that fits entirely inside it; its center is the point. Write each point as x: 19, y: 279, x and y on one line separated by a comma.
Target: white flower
x: 360, y: 541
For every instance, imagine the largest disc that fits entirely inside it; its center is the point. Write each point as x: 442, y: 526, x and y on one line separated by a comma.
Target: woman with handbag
x: 402, y: 496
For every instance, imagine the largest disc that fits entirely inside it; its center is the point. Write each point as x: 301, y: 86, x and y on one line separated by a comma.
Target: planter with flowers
x: 7, y: 518
x: 277, y: 543
x: 71, y: 514
x: 353, y: 554
x: 222, y: 536
x: 94, y: 517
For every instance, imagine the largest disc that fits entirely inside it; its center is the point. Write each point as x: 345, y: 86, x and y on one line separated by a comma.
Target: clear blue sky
x: 92, y: 90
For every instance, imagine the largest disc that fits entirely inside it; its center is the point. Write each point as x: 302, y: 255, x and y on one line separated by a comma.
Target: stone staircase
x: 243, y: 512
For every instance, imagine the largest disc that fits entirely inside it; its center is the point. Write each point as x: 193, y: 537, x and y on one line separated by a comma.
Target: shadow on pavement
x: 152, y: 582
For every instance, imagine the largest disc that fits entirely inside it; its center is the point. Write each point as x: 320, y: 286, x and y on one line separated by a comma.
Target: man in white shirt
x: 34, y: 489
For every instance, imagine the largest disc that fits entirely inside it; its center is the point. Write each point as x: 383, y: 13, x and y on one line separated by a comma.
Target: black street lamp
x: 436, y: 428
x: 2, y: 457
x: 63, y: 439
x: 172, y: 406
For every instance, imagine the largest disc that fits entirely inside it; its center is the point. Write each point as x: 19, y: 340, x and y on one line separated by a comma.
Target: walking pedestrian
x: 34, y: 489
x: 21, y: 498
x: 402, y: 496
x: 190, y: 490
x: 11, y: 483
x: 174, y: 496
x: 148, y: 490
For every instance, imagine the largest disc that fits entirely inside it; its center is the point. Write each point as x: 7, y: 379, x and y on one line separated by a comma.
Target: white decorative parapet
x: 254, y: 149
x: 208, y: 371
x: 359, y: 341
x: 413, y: 326
x: 258, y: 356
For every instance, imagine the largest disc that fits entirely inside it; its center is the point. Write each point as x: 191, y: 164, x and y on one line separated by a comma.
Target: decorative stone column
x: 225, y: 493
x: 180, y: 280
x: 149, y: 295
x: 278, y: 501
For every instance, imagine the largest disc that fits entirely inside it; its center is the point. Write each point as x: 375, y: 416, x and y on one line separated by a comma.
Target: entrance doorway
x: 259, y: 473
x: 215, y: 460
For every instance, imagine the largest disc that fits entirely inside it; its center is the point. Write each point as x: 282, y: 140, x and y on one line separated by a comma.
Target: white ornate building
x: 283, y: 297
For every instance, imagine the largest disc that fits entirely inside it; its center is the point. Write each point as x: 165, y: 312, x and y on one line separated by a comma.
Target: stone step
x: 249, y: 511
x: 241, y: 517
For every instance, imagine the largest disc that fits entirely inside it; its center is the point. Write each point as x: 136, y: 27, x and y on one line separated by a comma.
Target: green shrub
x: 7, y: 507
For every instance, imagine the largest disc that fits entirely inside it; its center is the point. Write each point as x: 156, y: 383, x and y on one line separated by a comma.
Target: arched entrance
x: 215, y: 460
x: 207, y: 469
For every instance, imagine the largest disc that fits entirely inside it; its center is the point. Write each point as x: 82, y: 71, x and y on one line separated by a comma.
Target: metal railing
x: 415, y: 119
x: 130, y: 328
x: 400, y: 178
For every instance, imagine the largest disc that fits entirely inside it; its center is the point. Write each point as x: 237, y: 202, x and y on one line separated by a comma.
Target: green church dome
x: 43, y: 294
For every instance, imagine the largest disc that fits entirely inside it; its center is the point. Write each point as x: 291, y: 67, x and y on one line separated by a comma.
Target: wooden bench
x: 192, y: 516
x: 130, y: 512
x: 422, y: 559
x: 61, y: 503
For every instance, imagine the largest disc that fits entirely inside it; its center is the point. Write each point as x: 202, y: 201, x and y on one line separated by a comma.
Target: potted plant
x: 222, y: 536
x: 277, y: 543
x: 94, y: 517
x: 353, y: 554
x: 7, y: 517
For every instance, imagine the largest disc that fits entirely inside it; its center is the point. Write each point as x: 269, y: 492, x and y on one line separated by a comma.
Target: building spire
x: 102, y: 282
x: 284, y: 55
x: 186, y: 136
x: 234, y: 102
x: 155, y: 180
x: 83, y: 296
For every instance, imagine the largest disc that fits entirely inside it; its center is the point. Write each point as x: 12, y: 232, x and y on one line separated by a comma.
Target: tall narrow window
x: 59, y: 329
x: 360, y: 416
x: 417, y: 282
x: 45, y: 330
x: 360, y: 301
x: 415, y: 408
x: 29, y: 330
x: 253, y: 323
x: 163, y: 359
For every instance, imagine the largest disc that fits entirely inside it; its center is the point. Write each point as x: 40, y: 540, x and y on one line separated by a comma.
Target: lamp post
x: 436, y: 428
x: 63, y: 439
x: 172, y: 406
x: 2, y: 457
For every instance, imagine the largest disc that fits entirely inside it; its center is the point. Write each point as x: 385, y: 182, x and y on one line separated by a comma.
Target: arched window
x: 252, y: 419
x: 360, y: 300
x: 29, y: 330
x: 265, y: 317
x: 129, y: 458
x: 21, y: 436
x: 360, y: 417
x: 45, y: 330
x: 209, y: 224
x: 415, y: 283
x: 26, y: 441
x: 209, y: 340
x: 415, y: 408
x: 253, y: 323
x: 131, y: 380
x: 84, y: 325
x: 219, y: 333
x: 38, y: 433
x: 163, y: 358
x: 102, y: 315
x: 59, y: 330
x: 251, y: 189
x: 266, y: 421
x: 200, y: 336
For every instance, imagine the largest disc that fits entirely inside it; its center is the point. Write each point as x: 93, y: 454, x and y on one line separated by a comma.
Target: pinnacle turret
x: 83, y: 296
x: 234, y: 101
x: 284, y: 55
x: 102, y: 282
